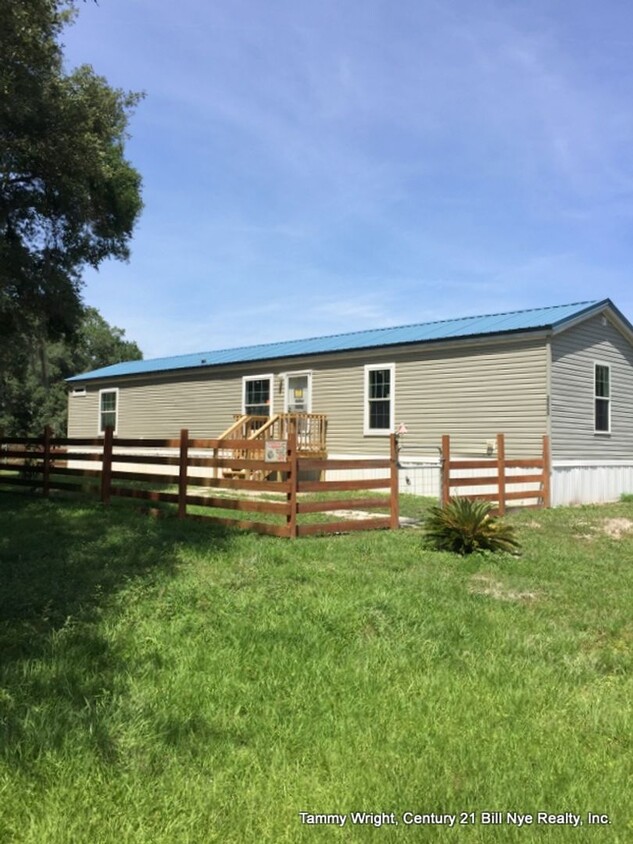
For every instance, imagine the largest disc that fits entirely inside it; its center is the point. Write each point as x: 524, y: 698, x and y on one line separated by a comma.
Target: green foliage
x: 68, y: 196
x: 99, y: 344
x: 33, y: 392
x: 465, y: 525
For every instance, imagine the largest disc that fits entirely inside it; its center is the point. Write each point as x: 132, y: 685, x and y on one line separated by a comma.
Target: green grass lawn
x: 165, y: 682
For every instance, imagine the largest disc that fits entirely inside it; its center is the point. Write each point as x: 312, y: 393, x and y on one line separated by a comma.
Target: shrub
x: 465, y: 525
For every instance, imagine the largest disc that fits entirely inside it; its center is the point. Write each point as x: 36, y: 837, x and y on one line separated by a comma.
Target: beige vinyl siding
x: 473, y: 395
x: 160, y: 405
x: 575, y: 351
x: 469, y: 390
x: 83, y: 410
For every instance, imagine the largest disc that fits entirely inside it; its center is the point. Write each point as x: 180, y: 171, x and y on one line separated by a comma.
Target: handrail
x: 234, y: 427
x: 257, y: 433
x: 309, y: 427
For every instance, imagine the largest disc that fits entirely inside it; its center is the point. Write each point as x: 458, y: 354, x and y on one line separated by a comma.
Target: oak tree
x: 33, y: 392
x: 68, y: 196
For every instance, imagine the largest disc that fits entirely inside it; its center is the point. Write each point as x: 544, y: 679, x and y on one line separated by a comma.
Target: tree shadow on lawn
x: 62, y: 564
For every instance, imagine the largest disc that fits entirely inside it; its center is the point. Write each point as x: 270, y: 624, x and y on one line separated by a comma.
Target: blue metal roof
x: 447, y: 329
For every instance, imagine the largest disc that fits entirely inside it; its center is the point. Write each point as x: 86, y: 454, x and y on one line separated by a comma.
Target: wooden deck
x: 310, y: 428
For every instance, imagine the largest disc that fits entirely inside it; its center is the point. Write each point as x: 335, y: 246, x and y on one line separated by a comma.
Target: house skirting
x: 573, y: 481
x: 590, y: 481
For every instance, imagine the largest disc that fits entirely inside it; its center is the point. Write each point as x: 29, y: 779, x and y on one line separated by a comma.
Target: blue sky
x: 314, y: 168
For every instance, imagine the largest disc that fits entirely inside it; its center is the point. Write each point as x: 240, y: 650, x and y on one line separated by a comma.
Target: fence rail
x: 498, y: 473
x: 225, y: 484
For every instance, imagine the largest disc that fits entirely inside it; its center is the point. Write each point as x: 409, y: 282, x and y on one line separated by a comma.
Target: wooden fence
x: 278, y: 496
x: 533, y: 474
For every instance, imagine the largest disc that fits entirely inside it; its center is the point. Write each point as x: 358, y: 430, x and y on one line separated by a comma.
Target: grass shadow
x: 62, y: 564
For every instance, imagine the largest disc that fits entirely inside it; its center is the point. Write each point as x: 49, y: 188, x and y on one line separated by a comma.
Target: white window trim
x: 116, y: 410
x: 78, y: 391
x: 287, y: 375
x: 268, y: 377
x: 379, y: 432
x: 607, y: 366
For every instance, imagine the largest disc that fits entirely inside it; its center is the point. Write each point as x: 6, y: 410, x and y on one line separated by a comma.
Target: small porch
x: 310, y: 428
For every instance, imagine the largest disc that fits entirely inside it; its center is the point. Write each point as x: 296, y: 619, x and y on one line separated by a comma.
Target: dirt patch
x: 354, y: 514
x: 360, y: 514
x: 484, y: 584
x: 584, y: 530
x: 616, y: 527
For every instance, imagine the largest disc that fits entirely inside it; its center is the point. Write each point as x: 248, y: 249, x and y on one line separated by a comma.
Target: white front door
x: 299, y: 400
x: 298, y: 390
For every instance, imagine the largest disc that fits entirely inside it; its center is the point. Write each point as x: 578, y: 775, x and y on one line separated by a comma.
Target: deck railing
x: 310, y: 429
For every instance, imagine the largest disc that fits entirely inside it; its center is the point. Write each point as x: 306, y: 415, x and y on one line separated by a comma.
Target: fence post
x: 46, y: 473
x: 291, y: 496
x: 446, y: 470
x: 106, y: 465
x: 182, y: 473
x: 547, y: 473
x: 394, y: 508
x: 501, y: 471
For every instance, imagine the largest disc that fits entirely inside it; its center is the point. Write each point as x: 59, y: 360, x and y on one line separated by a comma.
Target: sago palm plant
x: 465, y: 525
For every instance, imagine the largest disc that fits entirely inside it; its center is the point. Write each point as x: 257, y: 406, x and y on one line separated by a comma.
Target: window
x: 379, y: 391
x: 258, y: 395
x: 602, y: 398
x: 108, y: 401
